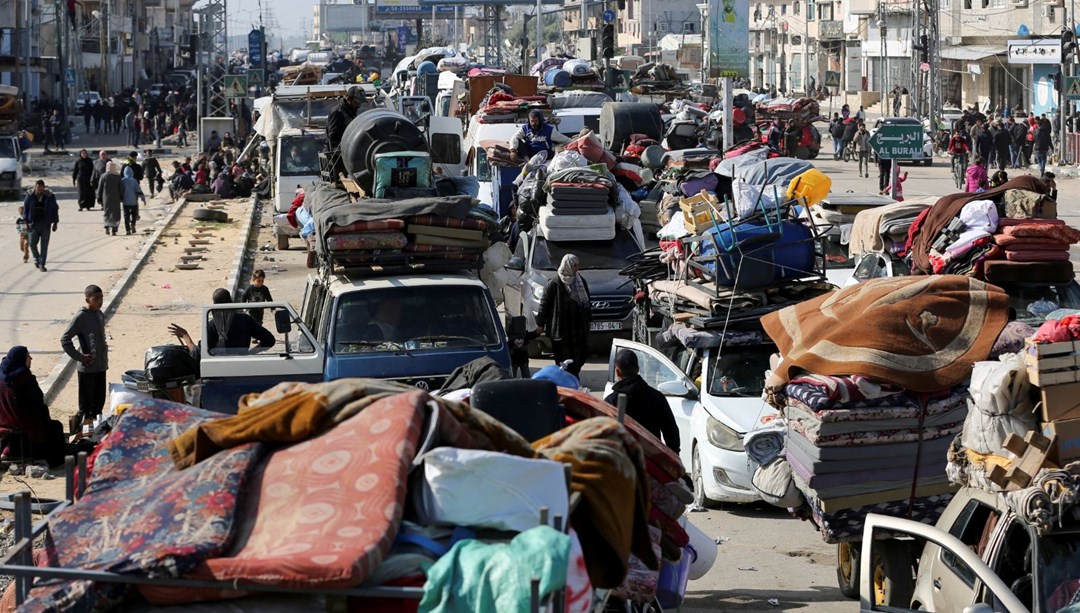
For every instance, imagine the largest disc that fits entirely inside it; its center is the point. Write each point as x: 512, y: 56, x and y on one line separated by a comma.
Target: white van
x: 478, y: 137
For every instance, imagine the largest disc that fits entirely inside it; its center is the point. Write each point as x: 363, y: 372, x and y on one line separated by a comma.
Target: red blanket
x: 1045, y: 230
x: 368, y: 226
x: 1020, y: 243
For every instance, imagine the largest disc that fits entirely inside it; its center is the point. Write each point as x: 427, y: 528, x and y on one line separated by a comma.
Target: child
x: 24, y: 236
x: 899, y: 197
x: 519, y: 354
x: 257, y: 292
x: 1000, y: 178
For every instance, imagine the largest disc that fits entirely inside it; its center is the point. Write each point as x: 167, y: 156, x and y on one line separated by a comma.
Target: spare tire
x: 210, y: 215
x: 373, y: 132
x: 618, y: 120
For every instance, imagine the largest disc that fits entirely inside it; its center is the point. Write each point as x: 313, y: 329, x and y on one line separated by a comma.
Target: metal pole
x: 539, y: 31
x: 134, y: 52
x: 28, y: 34
x: 895, y: 174
x: 882, y: 63
x: 806, y: 52
x: 726, y: 127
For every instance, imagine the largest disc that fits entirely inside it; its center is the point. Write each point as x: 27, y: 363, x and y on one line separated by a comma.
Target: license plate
x: 598, y: 326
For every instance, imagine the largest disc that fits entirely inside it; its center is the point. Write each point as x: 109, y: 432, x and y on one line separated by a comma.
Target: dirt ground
x: 158, y: 295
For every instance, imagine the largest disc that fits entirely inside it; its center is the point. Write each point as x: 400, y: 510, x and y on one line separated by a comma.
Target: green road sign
x: 832, y: 78
x: 1072, y: 88
x: 255, y: 77
x: 236, y: 86
x: 898, y: 142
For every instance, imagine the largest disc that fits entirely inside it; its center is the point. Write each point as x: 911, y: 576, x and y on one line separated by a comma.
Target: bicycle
x: 850, y: 152
x: 959, y: 169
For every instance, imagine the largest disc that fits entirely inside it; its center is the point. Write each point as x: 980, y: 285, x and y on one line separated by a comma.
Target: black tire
x: 210, y: 215
x: 700, y: 499
x: 373, y: 132
x: 894, y: 574
x: 802, y: 153
x: 847, y: 569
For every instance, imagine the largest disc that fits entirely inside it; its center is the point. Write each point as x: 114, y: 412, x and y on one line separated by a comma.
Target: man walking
x: 42, y: 216
x: 1002, y: 146
x: 1019, y: 132
x: 92, y: 356
x: 645, y: 405
x: 862, y: 145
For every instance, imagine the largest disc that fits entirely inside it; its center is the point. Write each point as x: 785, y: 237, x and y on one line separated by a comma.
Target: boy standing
x: 88, y: 327
x: 24, y: 236
x: 257, y: 292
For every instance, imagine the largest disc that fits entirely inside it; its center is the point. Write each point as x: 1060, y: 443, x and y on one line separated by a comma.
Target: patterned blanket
x: 847, y: 524
x: 928, y: 331
x: 140, y: 515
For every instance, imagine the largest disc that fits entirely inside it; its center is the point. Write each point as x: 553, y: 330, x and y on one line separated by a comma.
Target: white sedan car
x: 714, y: 418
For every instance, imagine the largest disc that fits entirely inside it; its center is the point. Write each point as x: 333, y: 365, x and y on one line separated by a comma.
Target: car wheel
x: 847, y: 569
x: 700, y: 499
x: 894, y: 574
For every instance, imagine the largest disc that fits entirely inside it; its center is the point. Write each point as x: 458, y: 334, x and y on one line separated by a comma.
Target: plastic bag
x: 751, y: 198
x: 999, y: 404
x: 566, y: 159
x: 628, y: 211
x: 166, y: 363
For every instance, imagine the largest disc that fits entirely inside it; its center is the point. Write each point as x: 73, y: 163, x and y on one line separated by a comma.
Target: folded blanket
x: 764, y: 445
x: 367, y: 226
x: 1010, y: 221
x: 928, y: 330
x: 1036, y: 256
x: 824, y: 391
x: 448, y: 222
x: 415, y: 248
x: 1061, y: 233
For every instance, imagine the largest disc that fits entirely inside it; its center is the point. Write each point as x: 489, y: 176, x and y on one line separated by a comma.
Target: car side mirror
x: 516, y: 263
x: 677, y: 388
x: 282, y: 321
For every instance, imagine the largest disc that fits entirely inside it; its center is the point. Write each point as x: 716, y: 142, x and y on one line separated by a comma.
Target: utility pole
x: 134, y: 51
x: 806, y: 52
x: 884, y: 64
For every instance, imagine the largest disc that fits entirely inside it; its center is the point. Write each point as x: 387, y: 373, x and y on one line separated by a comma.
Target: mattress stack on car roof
x: 579, y: 205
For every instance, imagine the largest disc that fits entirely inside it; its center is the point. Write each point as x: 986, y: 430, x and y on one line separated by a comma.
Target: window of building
x: 688, y: 27
x: 945, y: 4
x: 825, y: 11
x: 967, y: 5
x: 795, y: 8
x: 783, y: 9
x: 811, y: 8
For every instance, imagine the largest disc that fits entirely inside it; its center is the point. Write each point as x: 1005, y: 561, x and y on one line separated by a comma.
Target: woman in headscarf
x: 24, y: 418
x: 565, y: 314
x: 110, y: 194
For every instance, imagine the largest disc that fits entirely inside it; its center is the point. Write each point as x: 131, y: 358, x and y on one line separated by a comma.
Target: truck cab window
x: 300, y: 156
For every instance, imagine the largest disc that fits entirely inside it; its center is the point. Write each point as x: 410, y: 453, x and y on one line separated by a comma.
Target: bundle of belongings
x: 572, y: 200
x: 804, y: 109
x: 503, y: 107
x: 868, y: 419
x: 653, y: 78
x: 361, y: 483
x: 398, y: 232
x: 1007, y: 234
x: 884, y: 229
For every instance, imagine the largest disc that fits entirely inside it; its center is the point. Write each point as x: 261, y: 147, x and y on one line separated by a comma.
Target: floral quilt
x: 139, y: 514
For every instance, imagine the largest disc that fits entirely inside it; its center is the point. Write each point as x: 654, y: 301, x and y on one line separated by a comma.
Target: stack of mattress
x: 578, y: 211
x: 447, y: 238
x: 366, y: 241
x: 856, y: 446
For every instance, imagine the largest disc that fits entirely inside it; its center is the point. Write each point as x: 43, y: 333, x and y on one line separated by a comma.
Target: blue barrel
x: 557, y: 77
x: 426, y: 67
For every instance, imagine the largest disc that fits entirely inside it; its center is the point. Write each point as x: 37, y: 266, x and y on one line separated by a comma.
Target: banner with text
x: 729, y: 38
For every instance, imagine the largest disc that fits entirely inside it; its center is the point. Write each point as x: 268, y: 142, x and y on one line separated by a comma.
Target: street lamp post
x: 884, y: 61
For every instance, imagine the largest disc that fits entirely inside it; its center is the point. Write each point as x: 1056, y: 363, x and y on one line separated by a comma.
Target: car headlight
x: 722, y: 436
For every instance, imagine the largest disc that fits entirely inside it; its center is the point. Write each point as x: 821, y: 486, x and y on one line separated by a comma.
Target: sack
x: 513, y: 489
x: 166, y: 363
x: 999, y: 404
x: 775, y: 484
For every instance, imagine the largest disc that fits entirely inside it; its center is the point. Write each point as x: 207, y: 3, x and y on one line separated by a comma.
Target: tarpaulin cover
x: 778, y: 171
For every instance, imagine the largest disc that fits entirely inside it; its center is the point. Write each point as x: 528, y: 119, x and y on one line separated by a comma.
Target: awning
x: 971, y: 53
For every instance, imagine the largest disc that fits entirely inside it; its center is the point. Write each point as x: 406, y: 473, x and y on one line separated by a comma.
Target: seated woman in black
x: 26, y: 427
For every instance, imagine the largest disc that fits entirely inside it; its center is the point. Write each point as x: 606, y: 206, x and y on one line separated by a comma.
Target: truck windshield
x: 1059, y: 572
x: 7, y: 148
x: 300, y: 156
x: 1034, y: 302
x: 414, y: 319
x: 592, y: 255
x: 740, y: 371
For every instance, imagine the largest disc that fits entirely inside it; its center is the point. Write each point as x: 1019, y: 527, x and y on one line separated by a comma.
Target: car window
x: 1012, y: 561
x: 653, y: 370
x: 300, y: 156
x: 445, y: 149
x: 237, y: 328
x: 1059, y: 571
x: 1032, y: 303
x: 592, y: 255
x: 740, y: 371
x: 416, y: 319
x: 973, y: 527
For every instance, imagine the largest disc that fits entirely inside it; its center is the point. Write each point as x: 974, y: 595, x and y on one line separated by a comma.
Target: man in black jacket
x: 645, y: 405
x: 1019, y: 131
x: 336, y: 123
x: 1002, y: 144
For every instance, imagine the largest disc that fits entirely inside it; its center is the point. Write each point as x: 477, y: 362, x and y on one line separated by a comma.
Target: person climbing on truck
x: 534, y: 137
x: 337, y: 121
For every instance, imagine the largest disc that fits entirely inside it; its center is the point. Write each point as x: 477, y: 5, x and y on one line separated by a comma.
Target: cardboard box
x: 1068, y: 439
x: 1060, y: 402
x: 1052, y: 363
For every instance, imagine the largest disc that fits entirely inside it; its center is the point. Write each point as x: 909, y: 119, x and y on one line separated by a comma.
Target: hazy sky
x: 291, y: 15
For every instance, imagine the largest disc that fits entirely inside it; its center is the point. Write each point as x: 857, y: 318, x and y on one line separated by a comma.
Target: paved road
x: 35, y: 306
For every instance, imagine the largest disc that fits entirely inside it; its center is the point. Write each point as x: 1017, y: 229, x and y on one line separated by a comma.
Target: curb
x: 62, y: 371
x: 232, y: 283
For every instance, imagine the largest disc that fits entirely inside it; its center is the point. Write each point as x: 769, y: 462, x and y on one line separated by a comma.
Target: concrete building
x: 644, y: 23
